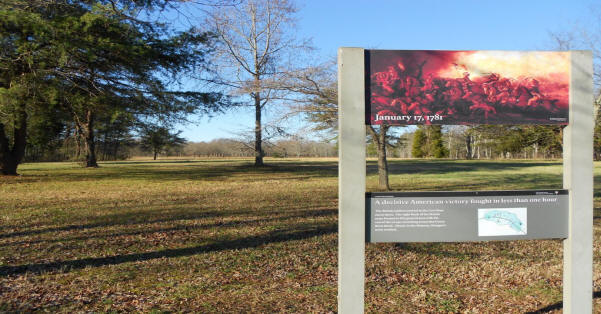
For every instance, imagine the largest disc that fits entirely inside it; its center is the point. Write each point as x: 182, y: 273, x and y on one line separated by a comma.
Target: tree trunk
x: 382, y: 159
x: 11, y: 157
x: 468, y: 146
x: 258, y: 131
x: 155, y: 155
x: 381, y: 140
x: 486, y: 150
x: 8, y: 166
x: 115, y: 149
x: 78, y: 136
x: 90, y: 142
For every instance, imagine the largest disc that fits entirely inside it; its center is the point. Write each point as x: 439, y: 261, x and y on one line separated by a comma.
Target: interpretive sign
x: 467, y: 87
x: 466, y: 216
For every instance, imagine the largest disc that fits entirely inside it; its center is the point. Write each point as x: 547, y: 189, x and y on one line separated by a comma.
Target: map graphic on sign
x: 502, y: 221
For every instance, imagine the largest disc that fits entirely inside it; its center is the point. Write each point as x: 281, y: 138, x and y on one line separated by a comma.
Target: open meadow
x: 218, y: 235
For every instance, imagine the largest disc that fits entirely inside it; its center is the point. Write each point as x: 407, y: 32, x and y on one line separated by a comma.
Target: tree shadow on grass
x: 469, y: 175
x: 200, y: 170
x: 187, y: 228
x: 168, y: 161
x: 123, y: 220
x: 237, y: 244
x: 480, y: 183
x: 596, y: 186
x: 559, y: 305
x: 142, y: 217
x: 179, y: 170
x: 446, y: 166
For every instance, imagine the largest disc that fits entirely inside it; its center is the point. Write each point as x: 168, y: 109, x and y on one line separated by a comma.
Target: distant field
x: 217, y: 235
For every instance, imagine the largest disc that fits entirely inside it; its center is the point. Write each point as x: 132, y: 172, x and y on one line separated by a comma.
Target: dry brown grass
x: 217, y: 235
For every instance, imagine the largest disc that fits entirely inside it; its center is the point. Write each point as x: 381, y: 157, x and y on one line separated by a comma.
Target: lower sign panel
x: 466, y: 216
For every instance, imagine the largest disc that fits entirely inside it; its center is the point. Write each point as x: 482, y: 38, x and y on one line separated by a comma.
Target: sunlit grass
x: 218, y: 235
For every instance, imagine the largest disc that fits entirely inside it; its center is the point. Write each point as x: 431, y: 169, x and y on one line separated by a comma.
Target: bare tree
x: 582, y: 38
x: 315, y: 90
x: 380, y: 139
x: 256, y: 48
x: 318, y: 86
x: 586, y: 35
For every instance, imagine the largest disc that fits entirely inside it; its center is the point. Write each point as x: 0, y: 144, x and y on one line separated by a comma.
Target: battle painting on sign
x: 467, y: 87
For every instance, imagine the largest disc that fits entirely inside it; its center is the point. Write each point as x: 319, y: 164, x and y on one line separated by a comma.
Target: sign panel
x: 415, y: 87
x: 466, y: 216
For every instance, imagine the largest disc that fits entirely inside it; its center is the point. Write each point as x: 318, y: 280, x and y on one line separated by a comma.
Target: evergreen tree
x: 158, y: 139
x: 93, y: 60
x: 24, y: 87
x: 419, y: 143
x: 436, y: 147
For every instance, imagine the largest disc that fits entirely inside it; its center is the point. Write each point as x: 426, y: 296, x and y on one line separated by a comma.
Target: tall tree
x: 315, y: 96
x: 157, y: 139
x: 319, y: 104
x: 24, y: 61
x: 586, y: 36
x: 419, y: 149
x: 114, y: 64
x: 469, y: 140
x: 436, y: 147
x: 115, y: 135
x: 256, y: 43
x: 13, y: 142
x: 428, y: 142
x: 95, y: 59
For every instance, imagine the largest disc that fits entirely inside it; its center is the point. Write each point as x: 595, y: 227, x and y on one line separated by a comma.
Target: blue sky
x: 445, y: 25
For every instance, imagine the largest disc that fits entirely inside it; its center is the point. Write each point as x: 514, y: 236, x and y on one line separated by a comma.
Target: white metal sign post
x: 577, y: 178
x: 351, y: 176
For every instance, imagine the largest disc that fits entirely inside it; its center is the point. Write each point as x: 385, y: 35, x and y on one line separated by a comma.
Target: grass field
x: 221, y: 236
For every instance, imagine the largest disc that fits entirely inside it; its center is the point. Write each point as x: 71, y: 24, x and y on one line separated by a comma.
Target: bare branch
x: 256, y: 41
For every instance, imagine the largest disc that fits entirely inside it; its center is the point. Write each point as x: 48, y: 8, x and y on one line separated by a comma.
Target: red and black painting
x: 467, y: 87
